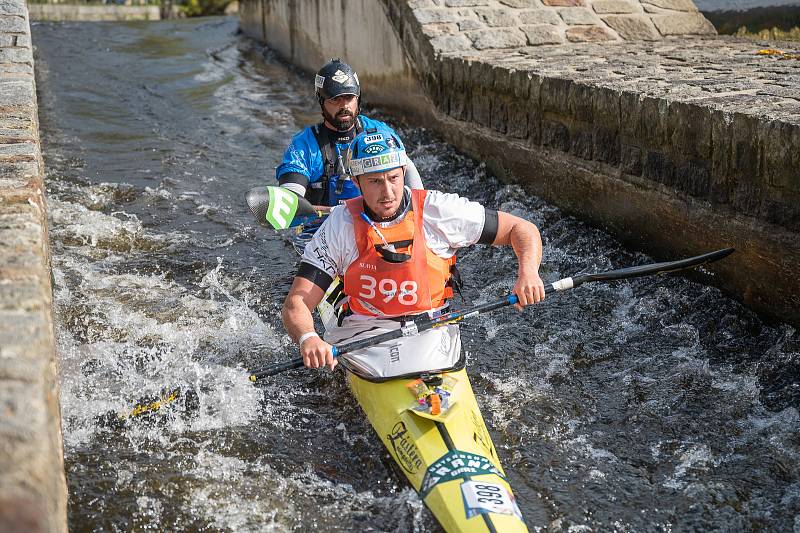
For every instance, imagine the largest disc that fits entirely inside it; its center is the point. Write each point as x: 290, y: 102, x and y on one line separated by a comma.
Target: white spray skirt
x: 432, y: 350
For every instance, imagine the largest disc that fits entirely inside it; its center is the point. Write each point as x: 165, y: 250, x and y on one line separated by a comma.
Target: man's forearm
x: 527, y: 244
x: 297, y: 318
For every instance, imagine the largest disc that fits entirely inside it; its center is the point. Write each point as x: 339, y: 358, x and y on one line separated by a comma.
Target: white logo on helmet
x: 319, y: 81
x: 369, y: 139
x: 377, y: 163
x: 340, y: 77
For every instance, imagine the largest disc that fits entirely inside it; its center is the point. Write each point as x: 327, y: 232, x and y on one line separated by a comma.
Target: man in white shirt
x: 395, y: 250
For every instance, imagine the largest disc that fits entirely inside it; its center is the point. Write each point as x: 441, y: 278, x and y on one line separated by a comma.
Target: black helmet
x: 336, y: 78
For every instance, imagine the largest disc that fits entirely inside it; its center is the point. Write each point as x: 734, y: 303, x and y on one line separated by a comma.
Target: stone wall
x: 677, y: 140
x: 32, y: 485
x: 490, y: 24
x: 86, y: 12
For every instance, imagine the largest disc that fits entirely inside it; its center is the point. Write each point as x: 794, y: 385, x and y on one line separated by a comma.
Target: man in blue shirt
x: 312, y: 163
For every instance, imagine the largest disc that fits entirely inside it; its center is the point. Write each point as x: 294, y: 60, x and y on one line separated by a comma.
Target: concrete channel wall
x: 630, y: 114
x: 33, y: 494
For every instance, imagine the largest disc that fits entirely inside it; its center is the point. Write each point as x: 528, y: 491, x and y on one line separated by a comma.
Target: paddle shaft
x: 412, y: 327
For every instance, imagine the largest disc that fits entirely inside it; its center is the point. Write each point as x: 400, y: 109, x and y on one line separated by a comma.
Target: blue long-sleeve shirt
x: 304, y: 158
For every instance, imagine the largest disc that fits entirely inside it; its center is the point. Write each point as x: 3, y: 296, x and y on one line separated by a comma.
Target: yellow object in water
x: 780, y: 53
x: 449, y: 458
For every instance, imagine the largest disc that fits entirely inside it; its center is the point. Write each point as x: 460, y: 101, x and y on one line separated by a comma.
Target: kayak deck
x: 448, y: 458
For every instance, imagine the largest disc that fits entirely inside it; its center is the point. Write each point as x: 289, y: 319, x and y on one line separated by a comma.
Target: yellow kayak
x: 448, y: 457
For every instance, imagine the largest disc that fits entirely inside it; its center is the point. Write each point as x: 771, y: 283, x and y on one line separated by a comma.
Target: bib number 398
x: 388, y: 289
x: 485, y: 497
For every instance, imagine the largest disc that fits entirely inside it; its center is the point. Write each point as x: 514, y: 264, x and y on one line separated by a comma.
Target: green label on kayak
x: 282, y: 207
x: 456, y: 465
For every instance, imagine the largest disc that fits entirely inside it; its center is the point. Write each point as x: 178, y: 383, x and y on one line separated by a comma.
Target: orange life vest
x: 378, y: 287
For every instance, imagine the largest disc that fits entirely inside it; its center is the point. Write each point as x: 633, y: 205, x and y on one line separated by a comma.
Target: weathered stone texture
x: 16, y: 55
x: 18, y: 152
x: 451, y: 43
x: 596, y: 21
x: 564, y: 3
x: 22, y: 40
x: 633, y: 27
x: 16, y: 70
x: 616, y: 6
x: 427, y: 16
x: 439, y: 29
x: 33, y: 494
x: 539, y: 16
x: 676, y: 5
x: 22, y: 513
x: 497, y: 17
x: 780, y: 155
x: 13, y: 24
x: 683, y: 24
x: 584, y: 34
x: 578, y: 15
x: 543, y: 34
x: 75, y: 11
x: 465, y: 25
x: 466, y: 3
x: 497, y: 38
x: 17, y: 170
x: 16, y: 92
x: 521, y: 3
x: 631, y: 160
x: 11, y: 7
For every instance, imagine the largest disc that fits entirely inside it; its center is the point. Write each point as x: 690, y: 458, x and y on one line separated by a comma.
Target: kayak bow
x: 448, y: 458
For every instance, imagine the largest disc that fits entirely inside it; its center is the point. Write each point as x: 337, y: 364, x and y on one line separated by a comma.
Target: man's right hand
x: 322, y: 208
x: 317, y: 353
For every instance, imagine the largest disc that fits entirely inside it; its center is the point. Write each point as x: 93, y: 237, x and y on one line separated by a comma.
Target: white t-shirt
x: 449, y: 222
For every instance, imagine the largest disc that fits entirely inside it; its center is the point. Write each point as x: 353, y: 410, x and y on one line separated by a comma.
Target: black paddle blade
x: 183, y: 400
x: 278, y: 207
x: 654, y: 268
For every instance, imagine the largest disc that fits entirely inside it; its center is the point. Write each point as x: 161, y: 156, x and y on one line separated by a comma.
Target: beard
x: 342, y: 121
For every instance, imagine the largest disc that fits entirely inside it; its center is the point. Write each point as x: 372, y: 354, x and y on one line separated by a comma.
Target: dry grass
x: 772, y: 34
